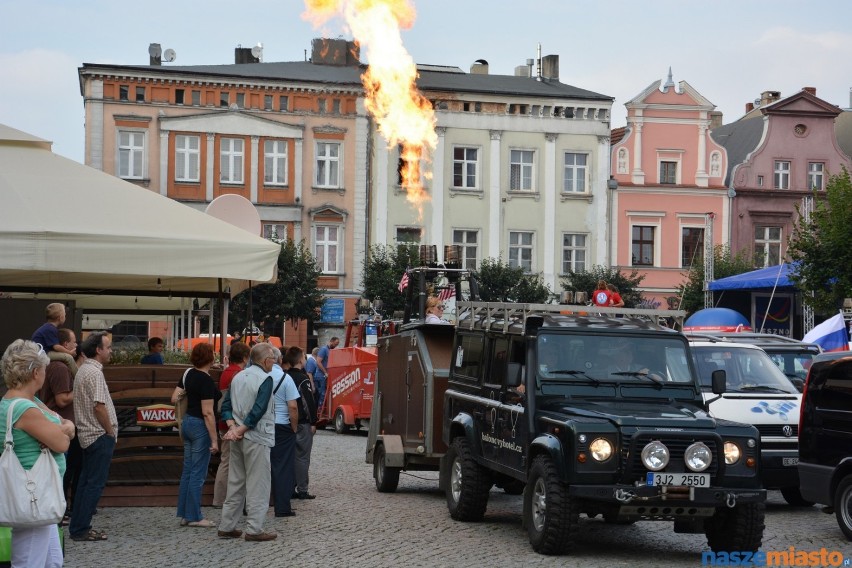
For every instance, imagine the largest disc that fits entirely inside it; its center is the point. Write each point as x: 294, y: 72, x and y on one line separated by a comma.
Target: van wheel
x: 843, y: 506
x: 550, y: 514
x: 469, y: 483
x: 340, y: 425
x: 738, y: 528
x: 387, y: 478
x: 794, y: 497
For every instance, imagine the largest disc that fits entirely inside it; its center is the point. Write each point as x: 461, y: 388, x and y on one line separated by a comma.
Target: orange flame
x: 402, y: 114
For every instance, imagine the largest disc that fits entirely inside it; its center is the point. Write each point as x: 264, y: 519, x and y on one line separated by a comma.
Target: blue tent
x: 769, y: 277
x: 718, y: 319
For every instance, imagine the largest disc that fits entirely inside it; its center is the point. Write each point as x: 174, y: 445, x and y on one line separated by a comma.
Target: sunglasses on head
x: 34, y: 361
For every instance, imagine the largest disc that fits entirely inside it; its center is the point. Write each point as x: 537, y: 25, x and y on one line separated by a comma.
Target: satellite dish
x: 169, y: 55
x: 236, y: 210
x: 257, y: 51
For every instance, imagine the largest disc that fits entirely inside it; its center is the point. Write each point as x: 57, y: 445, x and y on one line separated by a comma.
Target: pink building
x: 671, y: 194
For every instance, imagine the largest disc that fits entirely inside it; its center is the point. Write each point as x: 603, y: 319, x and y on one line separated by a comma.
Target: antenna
x: 257, y: 52
x: 169, y: 55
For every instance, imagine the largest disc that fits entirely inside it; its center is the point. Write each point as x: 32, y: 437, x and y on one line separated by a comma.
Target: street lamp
x: 611, y: 185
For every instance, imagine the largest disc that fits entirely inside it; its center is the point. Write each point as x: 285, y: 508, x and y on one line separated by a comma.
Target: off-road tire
x: 843, y: 505
x: 550, y: 513
x: 340, y: 425
x: 387, y: 478
x: 468, y: 483
x: 739, y: 528
x: 794, y: 497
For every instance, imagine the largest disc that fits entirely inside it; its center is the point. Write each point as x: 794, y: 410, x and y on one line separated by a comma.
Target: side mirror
x: 718, y: 381
x: 514, y: 375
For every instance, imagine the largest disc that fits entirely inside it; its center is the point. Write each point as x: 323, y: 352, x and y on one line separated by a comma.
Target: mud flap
x: 394, y: 452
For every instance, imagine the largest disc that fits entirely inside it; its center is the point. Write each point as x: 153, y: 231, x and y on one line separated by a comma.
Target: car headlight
x: 698, y: 456
x: 601, y: 449
x: 655, y: 456
x: 732, y: 453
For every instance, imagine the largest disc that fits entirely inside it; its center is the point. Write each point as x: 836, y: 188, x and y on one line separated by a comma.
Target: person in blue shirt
x: 321, y: 373
x: 155, y: 352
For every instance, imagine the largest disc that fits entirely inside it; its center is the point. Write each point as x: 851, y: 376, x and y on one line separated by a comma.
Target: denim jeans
x: 283, y: 468
x: 196, y: 458
x: 93, y: 478
x: 320, y: 384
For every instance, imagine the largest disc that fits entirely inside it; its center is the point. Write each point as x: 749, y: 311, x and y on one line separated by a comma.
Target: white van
x: 757, y: 393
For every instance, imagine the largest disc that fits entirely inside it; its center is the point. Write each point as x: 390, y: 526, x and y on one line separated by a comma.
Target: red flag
x: 403, y: 284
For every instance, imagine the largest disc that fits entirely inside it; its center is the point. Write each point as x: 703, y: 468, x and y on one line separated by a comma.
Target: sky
x: 729, y: 50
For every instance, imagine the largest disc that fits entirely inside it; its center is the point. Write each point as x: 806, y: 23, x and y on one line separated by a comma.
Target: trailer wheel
x: 469, y: 483
x: 340, y: 425
x: 387, y: 478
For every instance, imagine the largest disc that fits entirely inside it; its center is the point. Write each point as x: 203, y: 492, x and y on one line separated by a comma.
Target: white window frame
x: 570, y: 250
x: 781, y: 174
x: 816, y: 175
x: 767, y: 243
x: 461, y: 238
x: 231, y: 160
x: 275, y: 162
x: 518, y: 162
x: 517, y: 248
x: 323, y: 156
x: 269, y: 228
x: 328, y: 252
x: 188, y: 156
x: 133, y: 152
x: 579, y: 173
x: 465, y: 162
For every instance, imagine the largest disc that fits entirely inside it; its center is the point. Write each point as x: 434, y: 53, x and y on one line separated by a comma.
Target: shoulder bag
x: 180, y: 403
x: 31, y: 498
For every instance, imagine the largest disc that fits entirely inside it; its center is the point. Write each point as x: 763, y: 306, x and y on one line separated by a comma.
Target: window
x: 468, y: 360
x: 465, y: 167
x: 408, y: 163
x: 335, y: 106
x: 668, y: 172
x: 275, y: 162
x: 140, y: 94
x: 760, y: 181
x: 520, y: 250
x: 187, y: 157
x: 123, y: 93
x: 575, y: 173
x: 327, y: 247
x: 283, y: 103
x: 815, y: 175
x: 241, y: 100
x: 408, y: 235
x: 691, y: 246
x: 328, y: 164
x: 643, y: 246
x: 573, y: 253
x: 277, y: 231
x: 224, y: 99
x: 767, y: 246
x: 196, y: 98
x: 521, y: 170
x: 131, y: 153
x: 267, y: 102
x: 782, y: 174
x: 231, y: 161
x: 469, y: 243
x: 179, y: 96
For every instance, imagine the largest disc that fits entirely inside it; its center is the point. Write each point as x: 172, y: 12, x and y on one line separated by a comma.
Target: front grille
x: 777, y: 430
x: 631, y: 455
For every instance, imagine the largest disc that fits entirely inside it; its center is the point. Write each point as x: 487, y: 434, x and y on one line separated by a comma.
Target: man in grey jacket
x: 248, y: 411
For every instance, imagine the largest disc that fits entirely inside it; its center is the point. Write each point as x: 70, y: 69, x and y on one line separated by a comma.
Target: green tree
x: 725, y: 264
x: 295, y: 296
x: 821, y: 247
x: 499, y: 282
x: 587, y: 280
x: 383, y: 269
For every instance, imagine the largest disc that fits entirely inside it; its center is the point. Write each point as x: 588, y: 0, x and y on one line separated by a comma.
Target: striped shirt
x: 90, y: 388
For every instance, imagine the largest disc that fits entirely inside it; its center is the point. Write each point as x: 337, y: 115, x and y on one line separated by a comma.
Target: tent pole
x: 223, y: 323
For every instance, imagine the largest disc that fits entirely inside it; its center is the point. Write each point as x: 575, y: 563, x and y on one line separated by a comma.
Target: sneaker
x: 287, y: 514
x: 306, y: 495
x: 230, y: 534
x: 261, y: 537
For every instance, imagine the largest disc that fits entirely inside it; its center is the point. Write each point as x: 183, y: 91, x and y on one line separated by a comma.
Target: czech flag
x: 830, y: 335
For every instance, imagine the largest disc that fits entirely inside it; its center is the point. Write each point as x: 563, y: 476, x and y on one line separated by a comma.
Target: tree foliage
x: 499, y: 282
x: 725, y: 264
x: 295, y: 296
x: 821, y: 247
x: 383, y: 269
x: 587, y: 280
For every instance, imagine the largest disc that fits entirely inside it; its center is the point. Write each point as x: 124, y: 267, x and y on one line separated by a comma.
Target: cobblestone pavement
x: 351, y: 524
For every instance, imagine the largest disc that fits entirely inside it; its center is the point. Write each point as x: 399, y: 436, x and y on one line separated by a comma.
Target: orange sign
x: 156, y: 416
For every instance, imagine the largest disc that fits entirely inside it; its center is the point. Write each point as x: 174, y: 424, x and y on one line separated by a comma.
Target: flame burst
x: 403, y: 115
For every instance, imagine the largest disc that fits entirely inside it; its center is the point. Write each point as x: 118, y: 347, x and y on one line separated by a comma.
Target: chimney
x: 337, y: 52
x: 550, y: 67
x: 769, y: 97
x: 479, y: 67
x: 244, y: 55
x: 155, y: 54
x: 749, y: 107
x: 715, y: 119
x: 811, y: 90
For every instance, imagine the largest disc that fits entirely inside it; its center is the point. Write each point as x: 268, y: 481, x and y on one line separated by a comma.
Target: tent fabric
x: 761, y: 278
x: 717, y: 319
x: 66, y: 227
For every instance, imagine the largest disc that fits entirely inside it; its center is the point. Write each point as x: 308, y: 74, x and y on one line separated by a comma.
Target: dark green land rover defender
x: 587, y: 414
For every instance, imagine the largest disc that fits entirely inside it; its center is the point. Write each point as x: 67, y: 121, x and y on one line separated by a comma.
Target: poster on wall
x: 775, y: 316
x: 332, y: 311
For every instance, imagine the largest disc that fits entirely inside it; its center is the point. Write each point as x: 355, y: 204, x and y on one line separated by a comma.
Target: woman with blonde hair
x: 23, y: 368
x: 434, y: 310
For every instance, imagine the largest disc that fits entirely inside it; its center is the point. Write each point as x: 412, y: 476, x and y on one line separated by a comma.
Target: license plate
x: 790, y: 461
x: 678, y: 479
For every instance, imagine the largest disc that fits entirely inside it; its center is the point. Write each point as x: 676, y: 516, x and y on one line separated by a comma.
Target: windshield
x: 746, y: 370
x: 594, y: 359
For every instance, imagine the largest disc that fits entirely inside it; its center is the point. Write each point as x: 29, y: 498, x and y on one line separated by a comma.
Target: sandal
x: 203, y: 523
x: 91, y: 536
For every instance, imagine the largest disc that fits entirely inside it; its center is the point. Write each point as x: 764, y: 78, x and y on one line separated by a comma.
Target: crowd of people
x: 260, y: 416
